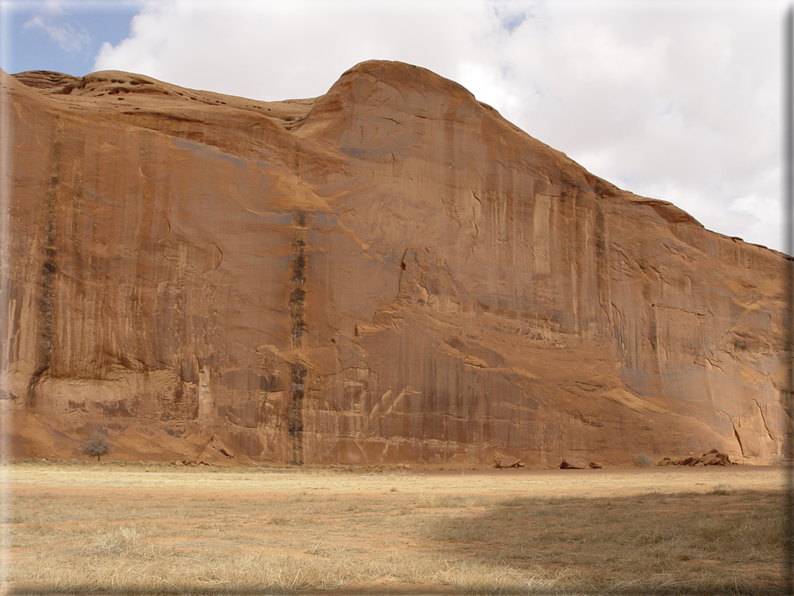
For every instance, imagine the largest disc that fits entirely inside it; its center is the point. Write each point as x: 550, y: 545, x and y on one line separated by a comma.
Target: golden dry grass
x: 165, y: 530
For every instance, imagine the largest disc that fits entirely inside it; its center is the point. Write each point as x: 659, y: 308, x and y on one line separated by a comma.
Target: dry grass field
x: 133, y: 529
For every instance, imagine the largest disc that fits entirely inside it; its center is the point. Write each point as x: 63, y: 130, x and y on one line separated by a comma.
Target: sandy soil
x: 386, y: 530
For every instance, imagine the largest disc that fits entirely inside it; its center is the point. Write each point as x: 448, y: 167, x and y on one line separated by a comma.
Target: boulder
x: 710, y: 458
x: 573, y: 464
x: 509, y: 462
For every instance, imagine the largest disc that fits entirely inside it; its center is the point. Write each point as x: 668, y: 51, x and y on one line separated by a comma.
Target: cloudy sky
x: 676, y: 100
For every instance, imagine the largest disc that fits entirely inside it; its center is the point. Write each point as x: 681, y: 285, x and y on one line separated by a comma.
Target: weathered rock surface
x: 389, y: 272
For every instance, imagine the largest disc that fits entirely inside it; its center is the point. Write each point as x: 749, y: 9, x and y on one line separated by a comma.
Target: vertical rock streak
x: 298, y: 325
x: 46, y: 318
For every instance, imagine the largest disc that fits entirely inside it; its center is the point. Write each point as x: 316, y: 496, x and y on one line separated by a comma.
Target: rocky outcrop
x: 389, y: 272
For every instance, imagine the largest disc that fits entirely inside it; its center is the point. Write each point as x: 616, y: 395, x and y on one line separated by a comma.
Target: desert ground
x: 86, y: 528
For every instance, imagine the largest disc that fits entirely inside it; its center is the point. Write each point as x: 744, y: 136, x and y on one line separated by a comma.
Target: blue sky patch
x: 64, y: 37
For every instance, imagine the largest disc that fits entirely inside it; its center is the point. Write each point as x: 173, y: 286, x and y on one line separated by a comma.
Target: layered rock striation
x: 389, y: 272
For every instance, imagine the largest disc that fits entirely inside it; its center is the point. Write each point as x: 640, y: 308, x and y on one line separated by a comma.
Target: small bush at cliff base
x: 96, y: 447
x: 643, y: 461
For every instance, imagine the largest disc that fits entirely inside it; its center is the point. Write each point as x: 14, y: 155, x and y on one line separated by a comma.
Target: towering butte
x: 389, y: 272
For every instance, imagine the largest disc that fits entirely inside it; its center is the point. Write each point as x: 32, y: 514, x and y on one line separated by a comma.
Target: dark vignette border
x: 787, y: 356
x: 788, y: 210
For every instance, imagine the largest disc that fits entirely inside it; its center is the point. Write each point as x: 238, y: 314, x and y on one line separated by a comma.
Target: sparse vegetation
x: 186, y: 530
x: 96, y: 446
x: 644, y: 461
x: 721, y: 489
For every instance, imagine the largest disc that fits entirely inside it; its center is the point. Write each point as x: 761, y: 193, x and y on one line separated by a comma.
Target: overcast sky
x: 676, y: 100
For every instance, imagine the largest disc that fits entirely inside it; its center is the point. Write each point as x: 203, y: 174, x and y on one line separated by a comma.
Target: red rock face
x: 390, y: 272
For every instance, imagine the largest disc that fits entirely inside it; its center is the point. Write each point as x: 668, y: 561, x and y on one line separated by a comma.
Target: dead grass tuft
x: 124, y: 541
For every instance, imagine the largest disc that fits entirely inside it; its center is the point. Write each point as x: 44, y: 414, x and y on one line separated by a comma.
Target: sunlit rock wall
x: 388, y: 273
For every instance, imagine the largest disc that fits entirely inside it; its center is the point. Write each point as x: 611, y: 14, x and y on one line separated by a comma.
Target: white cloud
x: 70, y: 37
x: 290, y: 49
x: 676, y: 100
x: 54, y: 7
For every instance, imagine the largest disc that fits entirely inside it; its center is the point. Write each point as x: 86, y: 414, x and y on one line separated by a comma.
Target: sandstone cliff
x: 389, y: 272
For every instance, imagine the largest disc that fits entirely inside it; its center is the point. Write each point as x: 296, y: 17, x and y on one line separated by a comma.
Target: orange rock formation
x: 389, y: 272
